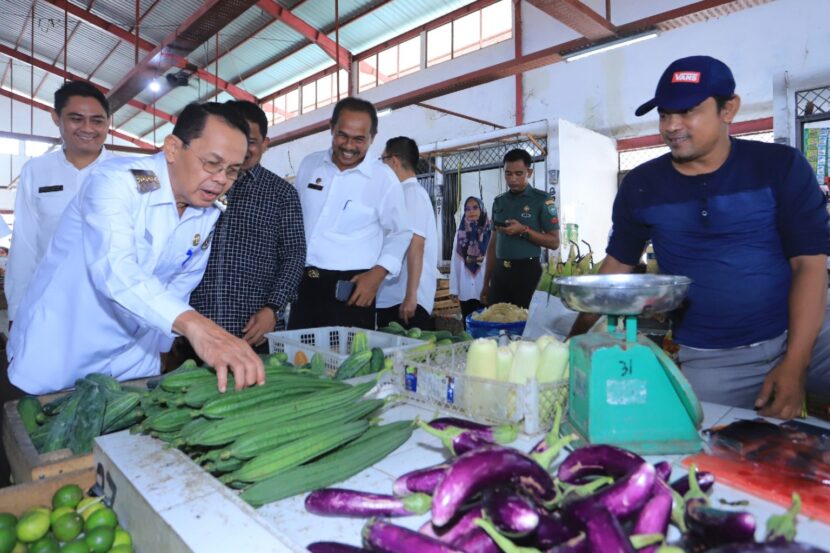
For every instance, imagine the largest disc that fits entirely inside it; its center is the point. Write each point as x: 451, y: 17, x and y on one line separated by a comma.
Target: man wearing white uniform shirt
x: 112, y: 290
x: 48, y: 183
x: 409, y: 297
x: 355, y: 223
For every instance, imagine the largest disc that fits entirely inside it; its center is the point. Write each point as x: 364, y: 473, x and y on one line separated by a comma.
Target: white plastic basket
x: 334, y: 343
x: 438, y: 379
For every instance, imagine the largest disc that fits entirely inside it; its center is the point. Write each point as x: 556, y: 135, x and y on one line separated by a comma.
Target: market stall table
x: 162, y: 495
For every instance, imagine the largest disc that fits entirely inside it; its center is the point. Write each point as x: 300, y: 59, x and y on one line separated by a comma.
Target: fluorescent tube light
x: 605, y: 47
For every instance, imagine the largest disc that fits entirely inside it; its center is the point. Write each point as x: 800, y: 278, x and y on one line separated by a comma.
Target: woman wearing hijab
x: 468, y: 263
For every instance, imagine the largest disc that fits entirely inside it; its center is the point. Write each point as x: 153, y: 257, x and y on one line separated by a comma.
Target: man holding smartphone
x: 525, y: 220
x: 356, y: 226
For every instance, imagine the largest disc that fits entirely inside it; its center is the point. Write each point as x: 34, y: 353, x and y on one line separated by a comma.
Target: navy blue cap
x: 689, y: 81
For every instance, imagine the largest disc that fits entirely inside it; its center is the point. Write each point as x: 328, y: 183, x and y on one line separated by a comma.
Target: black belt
x: 508, y: 263
x: 316, y: 272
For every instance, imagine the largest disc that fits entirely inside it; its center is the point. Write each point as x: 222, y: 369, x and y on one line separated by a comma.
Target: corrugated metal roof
x: 117, y: 64
x: 21, y: 74
x: 127, y: 112
x: 299, y: 65
x: 164, y: 18
x: 237, y: 32
x: 273, y: 42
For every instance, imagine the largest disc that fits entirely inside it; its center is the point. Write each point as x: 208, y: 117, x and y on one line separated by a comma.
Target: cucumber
x: 29, y: 408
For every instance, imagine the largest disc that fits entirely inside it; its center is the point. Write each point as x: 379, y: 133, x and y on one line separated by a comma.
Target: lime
x: 20, y: 548
x: 123, y: 548
x: 36, y: 510
x: 122, y: 537
x: 68, y: 527
x: 46, y: 544
x: 77, y: 546
x: 8, y: 520
x: 68, y: 496
x: 88, y: 506
x: 100, y: 539
x: 8, y: 537
x: 33, y: 526
x: 104, y: 516
x: 59, y: 512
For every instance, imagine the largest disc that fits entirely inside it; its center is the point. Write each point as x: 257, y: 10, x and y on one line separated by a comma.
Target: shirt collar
x: 164, y: 193
x: 410, y: 179
x: 104, y: 154
x: 365, y: 166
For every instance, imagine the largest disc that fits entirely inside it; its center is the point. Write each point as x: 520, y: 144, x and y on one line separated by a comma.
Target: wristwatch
x: 275, y: 308
x: 526, y: 233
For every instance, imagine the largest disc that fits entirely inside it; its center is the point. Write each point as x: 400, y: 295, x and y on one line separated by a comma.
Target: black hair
x: 517, y: 154
x: 79, y: 88
x: 721, y: 101
x: 350, y: 103
x: 405, y: 149
x: 253, y: 113
x: 192, y: 119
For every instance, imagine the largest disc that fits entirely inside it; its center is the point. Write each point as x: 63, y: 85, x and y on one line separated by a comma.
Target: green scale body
x: 625, y: 391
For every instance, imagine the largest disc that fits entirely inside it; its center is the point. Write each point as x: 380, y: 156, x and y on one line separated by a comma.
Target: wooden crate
x: 17, y: 499
x: 25, y: 463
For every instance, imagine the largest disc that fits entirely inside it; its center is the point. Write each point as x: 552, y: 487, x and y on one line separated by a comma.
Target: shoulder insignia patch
x: 145, y: 180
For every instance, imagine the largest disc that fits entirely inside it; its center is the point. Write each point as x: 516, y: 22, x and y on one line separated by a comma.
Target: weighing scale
x: 624, y: 390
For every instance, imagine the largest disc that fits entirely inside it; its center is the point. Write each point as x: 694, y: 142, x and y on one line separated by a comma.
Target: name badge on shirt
x: 54, y: 188
x: 316, y: 185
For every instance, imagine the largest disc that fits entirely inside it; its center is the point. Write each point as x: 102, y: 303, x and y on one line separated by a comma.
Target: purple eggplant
x: 552, y: 530
x: 578, y: 544
x: 502, y: 434
x: 455, y: 529
x: 704, y: 479
x: 420, y: 481
x: 382, y: 537
x: 624, y: 497
x: 663, y: 469
x: 340, y: 502
x: 713, y: 526
x: 333, y: 547
x: 654, y: 517
x: 605, y: 532
x: 600, y: 459
x: 476, y: 541
x: 487, y: 467
x: 458, y: 440
x: 512, y: 514
x: 783, y: 547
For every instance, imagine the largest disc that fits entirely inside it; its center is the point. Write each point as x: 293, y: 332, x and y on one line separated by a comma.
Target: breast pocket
x: 50, y: 205
x: 355, y: 218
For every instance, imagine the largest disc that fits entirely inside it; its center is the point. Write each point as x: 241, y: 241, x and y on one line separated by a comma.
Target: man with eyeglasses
x: 355, y: 222
x: 258, y: 246
x: 112, y: 291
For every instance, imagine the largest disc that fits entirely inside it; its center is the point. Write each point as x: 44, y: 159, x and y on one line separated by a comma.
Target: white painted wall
x: 602, y: 92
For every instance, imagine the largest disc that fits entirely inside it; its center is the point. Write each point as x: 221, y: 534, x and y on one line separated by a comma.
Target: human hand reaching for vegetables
x: 782, y: 394
x: 260, y: 323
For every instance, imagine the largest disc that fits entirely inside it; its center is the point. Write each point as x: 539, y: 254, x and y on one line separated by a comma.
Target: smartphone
x: 496, y: 223
x: 343, y: 290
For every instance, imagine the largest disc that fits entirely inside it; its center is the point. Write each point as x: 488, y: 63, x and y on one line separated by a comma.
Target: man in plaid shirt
x: 259, y: 247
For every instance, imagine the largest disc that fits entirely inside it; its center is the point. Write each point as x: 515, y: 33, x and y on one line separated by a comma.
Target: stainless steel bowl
x: 623, y: 294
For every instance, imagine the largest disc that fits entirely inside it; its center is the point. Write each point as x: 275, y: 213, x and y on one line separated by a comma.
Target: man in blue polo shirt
x: 744, y: 220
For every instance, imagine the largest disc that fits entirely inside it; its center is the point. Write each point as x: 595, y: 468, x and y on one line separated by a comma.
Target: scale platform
x: 624, y: 390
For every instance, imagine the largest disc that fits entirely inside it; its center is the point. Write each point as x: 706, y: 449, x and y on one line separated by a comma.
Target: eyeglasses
x: 384, y: 158
x: 214, y: 167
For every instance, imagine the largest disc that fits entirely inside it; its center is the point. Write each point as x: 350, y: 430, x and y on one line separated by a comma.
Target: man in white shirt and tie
x: 355, y: 224
x: 409, y: 298
x: 48, y: 183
